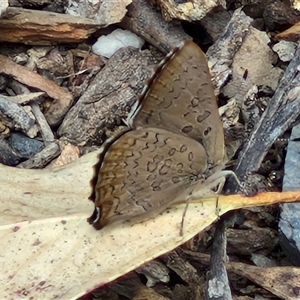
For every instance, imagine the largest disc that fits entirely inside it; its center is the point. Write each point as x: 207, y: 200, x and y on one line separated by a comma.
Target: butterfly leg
x: 205, y: 190
x: 183, y: 216
x: 218, y: 191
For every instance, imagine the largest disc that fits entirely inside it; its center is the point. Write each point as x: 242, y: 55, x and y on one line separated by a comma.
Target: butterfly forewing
x: 146, y: 171
x: 181, y: 99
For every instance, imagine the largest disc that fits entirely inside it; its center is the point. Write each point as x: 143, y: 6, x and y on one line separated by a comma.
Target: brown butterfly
x: 174, y: 151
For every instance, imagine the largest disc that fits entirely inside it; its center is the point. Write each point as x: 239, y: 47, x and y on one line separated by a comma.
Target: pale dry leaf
x: 69, y: 257
x: 39, y: 194
x: 50, y: 251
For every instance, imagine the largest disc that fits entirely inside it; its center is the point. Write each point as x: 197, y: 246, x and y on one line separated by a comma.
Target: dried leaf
x: 50, y: 251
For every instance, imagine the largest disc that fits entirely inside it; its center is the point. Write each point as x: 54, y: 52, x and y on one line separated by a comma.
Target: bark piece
x: 14, y: 116
x: 193, y: 10
x: 62, y: 99
x: 105, y: 12
x: 280, y: 15
x: 285, y: 50
x: 221, y: 53
x: 42, y: 158
x: 292, y: 34
x: 284, y: 282
x: 188, y: 274
x: 256, y: 58
x: 24, y: 98
x: 35, y: 27
x: 147, y: 22
x: 253, y: 105
x: 289, y: 232
x: 127, y: 286
x: 46, y: 132
x: 149, y: 294
x: 281, y: 112
x: 155, y: 272
x: 69, y: 154
x: 217, y: 279
x: 109, y: 97
x: 256, y: 240
x: 215, y: 23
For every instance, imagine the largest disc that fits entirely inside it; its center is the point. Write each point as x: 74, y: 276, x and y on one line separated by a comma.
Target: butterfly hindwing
x: 143, y: 171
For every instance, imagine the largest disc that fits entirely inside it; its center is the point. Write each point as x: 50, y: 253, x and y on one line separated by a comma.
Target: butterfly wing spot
x: 131, y: 142
x: 151, y: 166
x: 158, y: 158
x: 172, y: 151
x: 156, y: 185
x: 175, y: 179
x: 163, y: 170
x: 207, y: 131
x: 202, y: 117
x: 151, y: 177
x: 183, y: 148
x: 195, y: 102
x: 165, y: 167
x: 168, y: 162
x: 179, y: 165
x: 190, y: 156
x: 187, y: 129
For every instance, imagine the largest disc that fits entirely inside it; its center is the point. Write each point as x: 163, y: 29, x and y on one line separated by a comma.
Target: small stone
x: 107, y: 45
x: 24, y: 146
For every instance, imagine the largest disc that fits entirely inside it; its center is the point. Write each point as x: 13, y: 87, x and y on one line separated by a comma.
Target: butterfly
x: 174, y: 150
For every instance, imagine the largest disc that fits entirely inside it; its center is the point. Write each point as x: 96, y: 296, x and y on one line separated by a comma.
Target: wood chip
x: 152, y: 27
x: 35, y: 27
x: 41, y: 159
x: 193, y: 10
x: 62, y: 99
x: 14, y: 116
